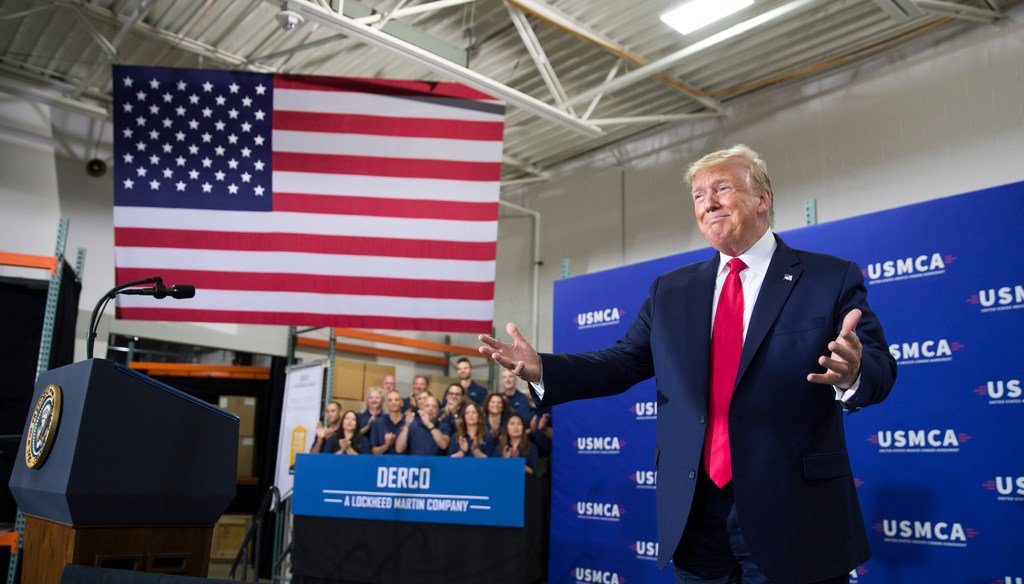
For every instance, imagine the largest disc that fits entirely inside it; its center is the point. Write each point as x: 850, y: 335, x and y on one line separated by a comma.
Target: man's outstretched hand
x: 843, y: 368
x: 518, y: 356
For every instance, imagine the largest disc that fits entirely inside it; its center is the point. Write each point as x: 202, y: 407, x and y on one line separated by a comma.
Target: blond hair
x: 757, y: 175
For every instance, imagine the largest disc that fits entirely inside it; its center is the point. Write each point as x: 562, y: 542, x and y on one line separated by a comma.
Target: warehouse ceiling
x: 577, y: 74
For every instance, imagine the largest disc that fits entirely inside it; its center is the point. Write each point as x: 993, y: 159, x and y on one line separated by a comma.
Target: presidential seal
x: 42, y: 428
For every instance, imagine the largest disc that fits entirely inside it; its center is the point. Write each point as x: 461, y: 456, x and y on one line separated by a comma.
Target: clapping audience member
x: 374, y: 408
x: 350, y: 441
x: 473, y: 390
x: 470, y: 438
x: 420, y: 386
x: 421, y: 432
x: 384, y: 431
x: 326, y: 435
x: 496, y: 410
x: 514, y: 443
x: 455, y: 400
x: 517, y: 400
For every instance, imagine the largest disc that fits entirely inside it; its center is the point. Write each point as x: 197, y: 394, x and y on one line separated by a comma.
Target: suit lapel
x: 783, y: 272
x: 696, y: 303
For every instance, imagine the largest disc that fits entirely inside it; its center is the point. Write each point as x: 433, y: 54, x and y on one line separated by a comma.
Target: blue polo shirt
x: 477, y: 393
x: 421, y: 441
x: 520, y: 405
x: 381, y: 427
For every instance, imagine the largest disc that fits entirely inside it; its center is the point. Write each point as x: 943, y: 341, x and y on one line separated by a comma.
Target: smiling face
x: 495, y: 405
x: 731, y: 215
x: 464, y: 370
x: 349, y: 422
x: 514, y: 427
x: 455, y: 394
x: 373, y: 401
x: 388, y: 383
x: 333, y: 413
x: 393, y: 400
x: 419, y: 385
x: 508, y: 381
x: 472, y: 415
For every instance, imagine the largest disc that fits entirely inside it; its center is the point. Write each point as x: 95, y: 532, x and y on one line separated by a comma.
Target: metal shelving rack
x: 45, y: 348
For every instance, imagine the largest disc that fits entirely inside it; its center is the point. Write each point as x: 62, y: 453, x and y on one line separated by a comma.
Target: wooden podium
x: 182, y: 550
x: 121, y: 471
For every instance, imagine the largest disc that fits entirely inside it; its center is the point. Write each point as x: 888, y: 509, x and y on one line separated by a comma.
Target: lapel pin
x: 788, y: 277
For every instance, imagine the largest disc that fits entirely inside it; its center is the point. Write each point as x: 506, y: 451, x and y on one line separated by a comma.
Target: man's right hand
x: 389, y: 438
x: 321, y: 432
x: 519, y: 356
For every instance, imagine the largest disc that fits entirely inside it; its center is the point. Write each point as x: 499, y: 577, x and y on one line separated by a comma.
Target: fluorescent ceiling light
x: 696, y: 14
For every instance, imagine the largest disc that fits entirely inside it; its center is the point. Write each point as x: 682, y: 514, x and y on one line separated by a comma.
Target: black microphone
x: 178, y: 291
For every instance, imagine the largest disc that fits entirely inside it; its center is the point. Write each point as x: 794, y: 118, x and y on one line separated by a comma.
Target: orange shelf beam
x: 29, y: 261
x: 364, y: 350
x: 406, y: 342
x: 201, y: 370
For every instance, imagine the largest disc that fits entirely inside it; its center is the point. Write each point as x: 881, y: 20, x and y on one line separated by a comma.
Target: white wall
x: 946, y: 120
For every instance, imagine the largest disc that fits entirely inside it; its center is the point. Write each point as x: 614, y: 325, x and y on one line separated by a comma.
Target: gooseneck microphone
x: 157, y: 290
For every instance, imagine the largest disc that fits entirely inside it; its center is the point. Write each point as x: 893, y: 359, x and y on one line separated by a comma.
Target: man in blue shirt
x: 421, y: 433
x: 518, y: 400
x: 385, y: 430
x: 475, y: 391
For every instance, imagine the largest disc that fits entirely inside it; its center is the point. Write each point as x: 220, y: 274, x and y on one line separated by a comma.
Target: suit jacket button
x: 693, y: 474
x: 701, y: 419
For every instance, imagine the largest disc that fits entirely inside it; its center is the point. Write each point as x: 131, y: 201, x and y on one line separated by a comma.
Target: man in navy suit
x: 758, y: 351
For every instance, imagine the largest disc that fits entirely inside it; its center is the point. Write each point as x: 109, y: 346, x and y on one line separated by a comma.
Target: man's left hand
x: 843, y: 368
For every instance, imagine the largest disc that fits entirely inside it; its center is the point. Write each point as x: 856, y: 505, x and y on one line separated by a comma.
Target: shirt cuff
x: 845, y: 395
x: 538, y: 388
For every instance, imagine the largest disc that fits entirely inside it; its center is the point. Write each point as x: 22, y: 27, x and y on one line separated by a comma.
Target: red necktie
x: 726, y: 347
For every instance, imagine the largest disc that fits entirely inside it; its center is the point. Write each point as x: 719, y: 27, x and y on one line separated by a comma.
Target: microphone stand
x: 97, y: 312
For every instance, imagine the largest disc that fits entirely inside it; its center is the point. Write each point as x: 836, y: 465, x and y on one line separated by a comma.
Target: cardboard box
x: 245, y: 408
x: 246, y: 455
x: 348, y: 379
x: 375, y: 373
x: 356, y: 405
x: 439, y: 383
x: 228, y: 535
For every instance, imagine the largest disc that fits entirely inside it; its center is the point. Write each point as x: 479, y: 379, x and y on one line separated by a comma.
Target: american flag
x: 312, y: 201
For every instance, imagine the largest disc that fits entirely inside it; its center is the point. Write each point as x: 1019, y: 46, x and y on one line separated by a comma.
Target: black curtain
x: 22, y: 306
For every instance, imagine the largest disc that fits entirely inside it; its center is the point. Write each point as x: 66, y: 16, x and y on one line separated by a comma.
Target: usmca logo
x: 933, y: 440
x: 645, y: 550
x: 923, y: 352
x: 1001, y: 392
x: 1007, y: 488
x: 895, y: 270
x: 599, y: 444
x: 999, y: 299
x: 599, y: 511
x: 595, y: 576
x: 600, y: 317
x: 941, y: 533
x: 645, y: 410
x: 645, y: 479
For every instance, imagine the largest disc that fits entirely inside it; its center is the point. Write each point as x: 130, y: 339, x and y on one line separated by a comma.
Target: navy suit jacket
x: 792, y: 482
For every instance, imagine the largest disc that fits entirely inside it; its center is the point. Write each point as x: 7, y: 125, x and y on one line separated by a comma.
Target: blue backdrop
x: 938, y: 466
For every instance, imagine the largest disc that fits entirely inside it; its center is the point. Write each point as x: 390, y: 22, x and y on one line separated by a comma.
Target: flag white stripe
x: 327, y: 304
x: 281, y: 262
x: 372, y: 104
x: 306, y: 223
x: 463, y: 191
x: 386, y: 146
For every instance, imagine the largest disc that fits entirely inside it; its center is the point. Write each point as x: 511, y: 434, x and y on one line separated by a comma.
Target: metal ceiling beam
x: 961, y: 11
x: 900, y: 10
x: 556, y: 17
x: 597, y: 98
x: 43, y: 95
x: 375, y: 37
x: 414, y: 10
x: 540, y: 58
x: 655, y: 119
x: 669, y: 60
x: 176, y: 40
x: 144, y: 7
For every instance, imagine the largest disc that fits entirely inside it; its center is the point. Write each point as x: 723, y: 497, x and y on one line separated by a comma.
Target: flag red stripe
x: 398, y: 87
x: 388, y: 126
x: 357, y: 286
x: 304, y: 243
x: 380, y: 166
x: 305, y: 319
x: 380, y: 207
